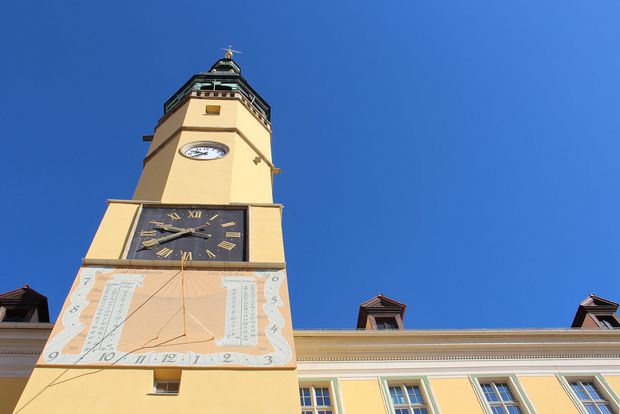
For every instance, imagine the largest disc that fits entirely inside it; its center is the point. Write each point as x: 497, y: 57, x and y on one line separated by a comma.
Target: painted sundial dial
x: 159, y: 317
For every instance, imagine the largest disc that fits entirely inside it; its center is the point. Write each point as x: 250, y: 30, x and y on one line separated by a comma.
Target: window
x: 166, y: 387
x: 315, y: 400
x: 407, y: 399
x: 16, y: 315
x: 500, y: 398
x: 593, y: 401
x: 212, y: 109
x: 608, y: 322
x: 386, y: 323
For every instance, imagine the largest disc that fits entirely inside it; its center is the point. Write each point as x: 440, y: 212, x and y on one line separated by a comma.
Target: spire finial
x: 229, y: 52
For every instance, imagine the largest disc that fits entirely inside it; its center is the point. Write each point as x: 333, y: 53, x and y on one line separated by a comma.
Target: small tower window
x: 608, y: 322
x: 166, y: 387
x: 386, y: 323
x: 212, y: 109
x: 16, y: 315
x: 166, y: 381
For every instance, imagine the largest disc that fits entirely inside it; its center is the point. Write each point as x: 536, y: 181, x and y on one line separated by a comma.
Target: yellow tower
x: 181, y: 304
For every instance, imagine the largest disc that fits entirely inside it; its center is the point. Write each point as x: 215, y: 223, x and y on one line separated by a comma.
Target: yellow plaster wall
x: 362, y: 396
x: 266, y: 243
x: 164, y: 130
x: 196, y: 181
x: 254, y: 130
x: 547, y: 395
x: 10, y: 390
x: 233, y: 114
x: 455, y: 396
x: 196, y: 116
x: 614, y: 383
x: 251, y: 182
x: 109, y: 240
x: 170, y: 177
x: 93, y: 391
x: 155, y: 172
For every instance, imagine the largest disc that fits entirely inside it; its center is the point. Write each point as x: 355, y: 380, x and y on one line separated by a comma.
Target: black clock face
x: 190, y: 233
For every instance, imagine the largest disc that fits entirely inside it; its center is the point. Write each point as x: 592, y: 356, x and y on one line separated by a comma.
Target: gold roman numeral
x: 214, y: 217
x: 227, y: 245
x: 157, y: 223
x: 147, y: 233
x: 194, y: 214
x: 174, y: 216
x: 211, y: 254
x: 233, y: 234
x: 165, y: 252
x: 187, y: 255
x: 230, y: 223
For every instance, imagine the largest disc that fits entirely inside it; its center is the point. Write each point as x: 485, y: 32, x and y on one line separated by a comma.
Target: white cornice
x: 439, y: 345
x: 21, y: 344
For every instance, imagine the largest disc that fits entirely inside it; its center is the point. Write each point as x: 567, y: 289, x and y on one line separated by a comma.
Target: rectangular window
x: 386, y: 323
x: 407, y: 399
x: 500, y: 398
x: 212, y: 110
x: 315, y: 400
x: 608, y: 322
x: 166, y: 387
x: 589, y: 395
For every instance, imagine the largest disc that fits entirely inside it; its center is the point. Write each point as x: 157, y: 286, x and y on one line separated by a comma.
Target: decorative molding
x: 216, y: 95
x: 21, y: 343
x: 155, y: 202
x: 458, y: 358
x: 471, y: 345
x: 188, y: 264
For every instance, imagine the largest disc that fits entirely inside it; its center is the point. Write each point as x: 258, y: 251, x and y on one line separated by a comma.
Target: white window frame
x: 425, y: 389
x: 517, y: 391
x: 334, y: 396
x: 601, y: 385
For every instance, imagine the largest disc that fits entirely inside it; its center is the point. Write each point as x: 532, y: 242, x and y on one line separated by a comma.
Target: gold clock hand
x: 203, y: 235
x: 179, y: 232
x: 154, y: 242
x: 167, y: 227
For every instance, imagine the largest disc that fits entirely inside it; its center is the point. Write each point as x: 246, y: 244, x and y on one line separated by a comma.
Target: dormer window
x: 381, y: 313
x: 16, y: 315
x: 595, y: 312
x: 608, y: 322
x: 23, y: 305
x: 386, y: 323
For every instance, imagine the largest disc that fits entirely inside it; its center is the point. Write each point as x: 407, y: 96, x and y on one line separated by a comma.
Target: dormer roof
x: 377, y: 306
x: 26, y: 298
x: 594, y: 305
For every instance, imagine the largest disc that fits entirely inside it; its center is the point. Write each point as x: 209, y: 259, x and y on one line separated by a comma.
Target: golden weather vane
x: 229, y: 52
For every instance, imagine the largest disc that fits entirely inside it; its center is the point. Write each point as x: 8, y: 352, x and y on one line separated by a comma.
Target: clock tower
x: 181, y: 303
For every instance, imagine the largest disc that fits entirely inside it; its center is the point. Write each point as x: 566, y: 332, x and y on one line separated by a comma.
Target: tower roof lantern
x: 225, y: 65
x: 224, y: 75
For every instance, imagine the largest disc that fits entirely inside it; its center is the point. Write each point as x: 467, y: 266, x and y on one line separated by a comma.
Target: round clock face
x: 204, y: 150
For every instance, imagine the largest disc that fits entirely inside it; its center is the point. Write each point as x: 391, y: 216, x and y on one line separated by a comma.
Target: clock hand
x: 167, y: 227
x: 203, y: 235
x: 154, y: 242
x: 200, y: 228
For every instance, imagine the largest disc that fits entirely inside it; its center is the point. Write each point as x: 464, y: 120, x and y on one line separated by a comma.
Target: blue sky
x: 458, y: 156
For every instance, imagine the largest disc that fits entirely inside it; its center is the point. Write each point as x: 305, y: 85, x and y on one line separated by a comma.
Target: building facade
x: 181, y: 305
